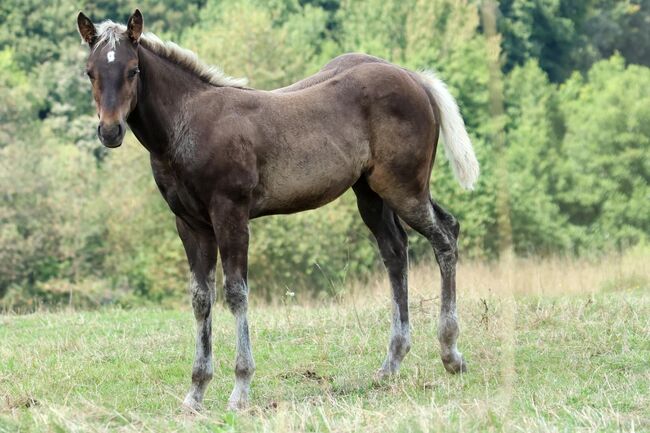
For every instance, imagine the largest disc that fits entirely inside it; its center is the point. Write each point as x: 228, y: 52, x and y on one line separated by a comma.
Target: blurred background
x: 555, y: 94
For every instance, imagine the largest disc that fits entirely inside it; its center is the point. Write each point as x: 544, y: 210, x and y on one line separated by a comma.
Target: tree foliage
x: 79, y: 224
x: 565, y: 35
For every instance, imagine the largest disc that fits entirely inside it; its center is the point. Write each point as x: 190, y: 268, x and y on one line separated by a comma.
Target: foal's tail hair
x: 458, y: 146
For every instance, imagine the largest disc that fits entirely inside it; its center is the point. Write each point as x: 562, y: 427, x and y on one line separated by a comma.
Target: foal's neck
x: 164, y: 88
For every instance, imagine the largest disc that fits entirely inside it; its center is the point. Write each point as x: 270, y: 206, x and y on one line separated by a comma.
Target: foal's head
x: 112, y: 68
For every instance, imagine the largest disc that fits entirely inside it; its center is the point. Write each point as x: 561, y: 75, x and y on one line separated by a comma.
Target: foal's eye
x: 90, y: 75
x: 133, y: 72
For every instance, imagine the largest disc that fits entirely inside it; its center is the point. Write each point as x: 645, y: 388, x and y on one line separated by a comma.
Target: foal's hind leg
x: 393, y: 246
x: 442, y: 230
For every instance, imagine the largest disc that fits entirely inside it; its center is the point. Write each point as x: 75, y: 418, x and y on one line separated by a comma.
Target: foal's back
x: 334, y: 67
x: 311, y: 144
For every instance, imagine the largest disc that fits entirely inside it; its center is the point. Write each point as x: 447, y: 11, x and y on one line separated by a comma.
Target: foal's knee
x: 203, y: 373
x: 202, y: 299
x: 236, y: 296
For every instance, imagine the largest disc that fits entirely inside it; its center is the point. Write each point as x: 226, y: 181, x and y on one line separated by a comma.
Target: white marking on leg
x: 400, y: 337
x: 244, y: 364
x: 448, y: 335
x: 202, y: 369
x: 110, y: 56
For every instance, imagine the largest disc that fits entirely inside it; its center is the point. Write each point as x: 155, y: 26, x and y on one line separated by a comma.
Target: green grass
x: 577, y: 362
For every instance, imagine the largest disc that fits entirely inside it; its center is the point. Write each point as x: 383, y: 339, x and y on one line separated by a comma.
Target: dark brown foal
x: 222, y: 154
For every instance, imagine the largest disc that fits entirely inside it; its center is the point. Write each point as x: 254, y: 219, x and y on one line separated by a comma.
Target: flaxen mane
x: 112, y: 33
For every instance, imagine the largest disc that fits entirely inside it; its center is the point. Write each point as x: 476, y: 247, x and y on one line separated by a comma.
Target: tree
x: 243, y: 40
x: 548, y: 30
x: 533, y: 154
x: 605, y: 171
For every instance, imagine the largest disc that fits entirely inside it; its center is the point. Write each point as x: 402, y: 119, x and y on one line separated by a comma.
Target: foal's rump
x: 359, y: 116
x: 458, y: 146
x: 325, y: 136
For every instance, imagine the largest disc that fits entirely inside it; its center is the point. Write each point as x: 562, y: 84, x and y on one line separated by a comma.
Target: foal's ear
x: 86, y: 29
x: 134, y: 26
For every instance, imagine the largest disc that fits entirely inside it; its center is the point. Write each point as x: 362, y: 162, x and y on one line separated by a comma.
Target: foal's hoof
x: 383, y: 374
x: 454, y: 363
x: 237, y: 405
x: 191, y: 406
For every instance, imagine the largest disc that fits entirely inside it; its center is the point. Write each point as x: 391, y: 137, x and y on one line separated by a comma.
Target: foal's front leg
x: 201, y: 250
x: 230, y: 221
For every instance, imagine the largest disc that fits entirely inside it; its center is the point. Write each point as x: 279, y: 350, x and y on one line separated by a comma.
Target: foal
x: 222, y: 154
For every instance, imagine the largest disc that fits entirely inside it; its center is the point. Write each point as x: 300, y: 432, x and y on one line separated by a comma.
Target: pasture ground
x: 554, y: 345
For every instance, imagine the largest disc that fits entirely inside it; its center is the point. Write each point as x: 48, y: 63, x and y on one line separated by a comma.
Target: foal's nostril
x: 110, y: 135
x: 109, y: 131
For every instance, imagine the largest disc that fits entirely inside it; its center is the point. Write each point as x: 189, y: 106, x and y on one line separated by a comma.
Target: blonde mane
x: 112, y: 33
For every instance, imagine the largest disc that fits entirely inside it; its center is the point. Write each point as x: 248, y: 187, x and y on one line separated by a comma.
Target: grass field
x: 556, y: 345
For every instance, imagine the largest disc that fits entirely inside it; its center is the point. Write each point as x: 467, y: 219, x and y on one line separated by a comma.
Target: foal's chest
x: 180, y: 198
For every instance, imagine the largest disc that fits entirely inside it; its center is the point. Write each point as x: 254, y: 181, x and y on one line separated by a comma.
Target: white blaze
x: 110, y: 56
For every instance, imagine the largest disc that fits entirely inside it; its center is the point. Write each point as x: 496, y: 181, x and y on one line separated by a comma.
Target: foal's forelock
x: 110, y: 34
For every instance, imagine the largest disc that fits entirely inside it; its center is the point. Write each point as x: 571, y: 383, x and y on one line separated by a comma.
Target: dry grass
x: 554, y: 276
x: 553, y: 346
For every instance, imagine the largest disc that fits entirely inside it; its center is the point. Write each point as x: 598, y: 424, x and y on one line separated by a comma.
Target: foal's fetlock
x: 397, y: 350
x: 239, y: 397
x: 399, y: 346
x: 454, y: 362
x: 194, y: 398
x: 448, y: 331
x: 244, y: 370
x: 237, y: 402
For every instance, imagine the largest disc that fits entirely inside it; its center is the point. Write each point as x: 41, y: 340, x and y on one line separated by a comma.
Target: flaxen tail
x: 458, y: 146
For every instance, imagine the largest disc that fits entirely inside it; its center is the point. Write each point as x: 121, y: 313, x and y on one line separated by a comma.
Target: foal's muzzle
x: 111, y: 135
